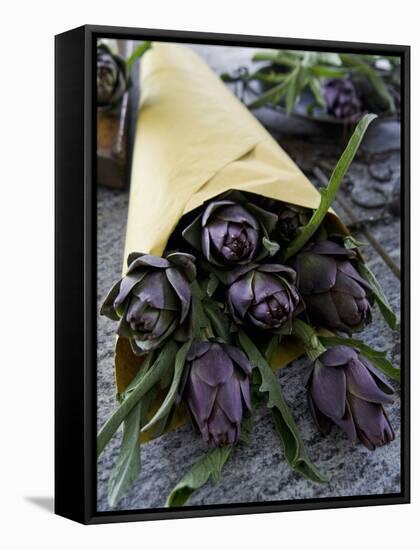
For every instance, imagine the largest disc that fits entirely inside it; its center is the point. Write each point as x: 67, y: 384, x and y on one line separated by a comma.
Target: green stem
x: 201, y: 324
x: 328, y: 194
x: 309, y: 339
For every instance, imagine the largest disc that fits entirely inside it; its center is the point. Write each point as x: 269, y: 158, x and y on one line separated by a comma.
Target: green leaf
x: 218, y: 320
x: 324, y: 71
x: 303, y: 69
x: 164, y: 362
x: 128, y: 465
x: 378, y: 358
x: 138, y: 52
x: 309, y: 339
x: 287, y: 430
x: 328, y: 193
x: 273, y: 96
x: 270, y: 78
x: 280, y: 57
x: 374, y: 77
x: 311, y: 107
x: 379, y: 295
x: 308, y: 59
x: 148, y: 361
x: 210, y: 465
x: 329, y: 58
x: 169, y: 400
x: 271, y: 246
x: 351, y: 243
x: 212, y: 284
x: 381, y: 89
x: 200, y: 322
x: 262, y: 75
x: 315, y: 87
x: 292, y: 91
x: 272, y: 346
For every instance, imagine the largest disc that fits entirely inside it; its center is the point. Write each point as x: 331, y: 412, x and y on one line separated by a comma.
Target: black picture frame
x: 75, y: 274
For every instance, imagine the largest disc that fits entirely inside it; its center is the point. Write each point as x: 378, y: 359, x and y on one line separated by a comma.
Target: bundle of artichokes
x: 242, y: 276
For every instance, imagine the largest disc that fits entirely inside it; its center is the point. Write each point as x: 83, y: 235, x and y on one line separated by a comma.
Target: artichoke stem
x: 309, y: 339
x: 202, y: 329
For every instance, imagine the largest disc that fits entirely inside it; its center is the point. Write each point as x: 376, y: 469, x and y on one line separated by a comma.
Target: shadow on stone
x: 46, y: 503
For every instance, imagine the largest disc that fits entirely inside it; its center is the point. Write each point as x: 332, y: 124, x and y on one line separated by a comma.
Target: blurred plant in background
x: 113, y: 72
x: 322, y: 85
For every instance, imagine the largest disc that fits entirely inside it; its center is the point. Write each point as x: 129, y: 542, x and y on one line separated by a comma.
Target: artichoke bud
x: 345, y: 389
x: 341, y: 99
x: 266, y: 298
x: 216, y: 391
x: 111, y: 77
x: 152, y: 302
x: 335, y: 294
x: 290, y: 219
x: 229, y: 234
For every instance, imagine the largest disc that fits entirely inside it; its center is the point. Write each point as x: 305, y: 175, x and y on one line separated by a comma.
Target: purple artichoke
x: 291, y: 219
x: 153, y: 300
x: 217, y: 391
x: 336, y: 296
x: 111, y: 77
x: 265, y: 298
x: 230, y: 234
x: 341, y: 99
x: 344, y: 388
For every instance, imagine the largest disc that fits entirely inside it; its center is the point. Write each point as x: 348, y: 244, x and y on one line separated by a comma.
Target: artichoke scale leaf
x: 192, y: 233
x: 379, y: 295
x: 267, y: 219
x: 378, y: 358
x: 272, y: 247
x: 186, y: 262
x: 182, y: 288
x: 107, y: 307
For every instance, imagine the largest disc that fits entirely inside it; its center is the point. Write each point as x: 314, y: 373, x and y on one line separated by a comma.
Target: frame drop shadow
x: 46, y: 503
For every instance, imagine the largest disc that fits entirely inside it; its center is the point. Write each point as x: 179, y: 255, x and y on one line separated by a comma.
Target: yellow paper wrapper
x: 195, y: 140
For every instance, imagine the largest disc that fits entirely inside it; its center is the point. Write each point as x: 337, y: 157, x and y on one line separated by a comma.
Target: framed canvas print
x: 232, y: 274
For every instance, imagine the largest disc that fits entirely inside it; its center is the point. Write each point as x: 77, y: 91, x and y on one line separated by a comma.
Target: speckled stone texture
x: 258, y: 472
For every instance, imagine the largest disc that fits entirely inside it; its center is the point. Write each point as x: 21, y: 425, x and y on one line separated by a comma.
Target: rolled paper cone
x: 195, y: 140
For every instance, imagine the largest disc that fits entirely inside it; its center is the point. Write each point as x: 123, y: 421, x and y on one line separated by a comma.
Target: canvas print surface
x: 248, y: 275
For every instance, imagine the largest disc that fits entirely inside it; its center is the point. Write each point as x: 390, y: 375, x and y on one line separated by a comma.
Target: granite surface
x: 258, y: 472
